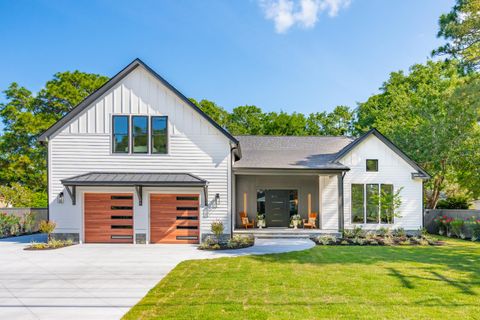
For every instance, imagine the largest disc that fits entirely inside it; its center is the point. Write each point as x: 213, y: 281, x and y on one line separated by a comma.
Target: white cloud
x: 304, y: 13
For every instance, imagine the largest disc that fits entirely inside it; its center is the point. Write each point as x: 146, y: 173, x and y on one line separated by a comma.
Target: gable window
x: 159, y: 135
x: 140, y: 134
x: 121, y: 140
x: 366, y: 206
x: 372, y: 165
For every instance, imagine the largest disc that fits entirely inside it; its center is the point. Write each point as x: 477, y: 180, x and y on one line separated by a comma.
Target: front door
x: 277, y: 208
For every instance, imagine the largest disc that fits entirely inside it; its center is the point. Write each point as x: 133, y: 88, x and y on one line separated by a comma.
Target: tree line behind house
x: 431, y: 112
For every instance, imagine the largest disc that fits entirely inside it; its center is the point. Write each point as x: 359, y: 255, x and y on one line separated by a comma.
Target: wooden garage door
x: 109, y: 217
x: 174, y: 218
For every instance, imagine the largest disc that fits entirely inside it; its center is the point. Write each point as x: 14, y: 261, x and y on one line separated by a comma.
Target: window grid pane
x: 358, y: 203
x: 386, y: 214
x: 159, y: 135
x: 120, y: 134
x: 140, y: 134
x: 372, y: 205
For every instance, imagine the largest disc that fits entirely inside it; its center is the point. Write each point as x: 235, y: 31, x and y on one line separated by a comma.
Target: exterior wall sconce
x: 217, y: 198
x: 60, y: 197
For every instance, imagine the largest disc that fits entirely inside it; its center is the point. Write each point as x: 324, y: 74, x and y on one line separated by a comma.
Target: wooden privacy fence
x: 40, y: 214
x: 431, y: 214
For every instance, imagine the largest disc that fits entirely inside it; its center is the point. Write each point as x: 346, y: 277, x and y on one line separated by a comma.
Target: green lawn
x: 324, y: 282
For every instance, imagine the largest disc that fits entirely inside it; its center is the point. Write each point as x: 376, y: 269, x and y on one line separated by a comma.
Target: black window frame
x: 352, y: 204
x: 152, y: 135
x: 114, y: 134
x: 376, y: 165
x: 379, y: 187
x: 132, y: 134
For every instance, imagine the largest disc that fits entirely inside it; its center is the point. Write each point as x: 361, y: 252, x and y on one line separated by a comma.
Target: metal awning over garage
x: 137, y: 180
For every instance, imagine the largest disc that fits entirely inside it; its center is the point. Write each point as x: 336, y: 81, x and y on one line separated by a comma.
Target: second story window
x: 159, y: 135
x: 140, y: 134
x: 121, y: 140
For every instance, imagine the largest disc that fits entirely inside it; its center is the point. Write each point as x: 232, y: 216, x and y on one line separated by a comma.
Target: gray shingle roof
x: 126, y: 178
x: 291, y: 152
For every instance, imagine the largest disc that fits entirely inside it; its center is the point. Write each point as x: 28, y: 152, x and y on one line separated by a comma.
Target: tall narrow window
x: 372, y: 203
x: 139, y: 134
x: 386, y: 214
x: 159, y: 135
x: 358, y: 203
x: 120, y: 130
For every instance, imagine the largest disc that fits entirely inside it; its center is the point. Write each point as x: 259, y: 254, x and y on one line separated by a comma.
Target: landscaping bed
x: 236, y: 242
x: 381, y: 237
x: 50, y: 245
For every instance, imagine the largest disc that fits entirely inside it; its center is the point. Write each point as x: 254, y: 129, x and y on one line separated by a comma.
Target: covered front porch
x: 279, y: 195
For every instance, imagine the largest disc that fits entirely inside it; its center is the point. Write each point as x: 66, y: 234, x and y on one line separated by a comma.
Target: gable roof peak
x: 85, y: 103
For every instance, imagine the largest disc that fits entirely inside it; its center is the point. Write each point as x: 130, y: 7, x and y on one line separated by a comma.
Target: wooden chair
x: 245, y: 222
x: 311, y: 222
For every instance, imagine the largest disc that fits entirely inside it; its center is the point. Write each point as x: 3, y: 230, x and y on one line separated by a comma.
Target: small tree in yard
x: 47, y: 227
x: 389, y: 203
x: 217, y: 229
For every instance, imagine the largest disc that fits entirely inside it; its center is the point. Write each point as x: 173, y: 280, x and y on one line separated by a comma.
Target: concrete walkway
x: 96, y: 281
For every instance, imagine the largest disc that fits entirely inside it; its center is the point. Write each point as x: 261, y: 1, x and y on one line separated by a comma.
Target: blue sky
x: 275, y: 54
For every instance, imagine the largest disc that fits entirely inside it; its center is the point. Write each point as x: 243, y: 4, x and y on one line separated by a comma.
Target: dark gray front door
x: 277, y: 210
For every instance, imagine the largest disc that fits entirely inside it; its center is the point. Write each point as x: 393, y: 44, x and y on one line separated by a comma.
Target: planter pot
x: 261, y: 224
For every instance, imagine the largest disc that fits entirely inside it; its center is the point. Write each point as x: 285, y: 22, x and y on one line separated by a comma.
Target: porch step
x: 283, y: 236
x: 286, y: 233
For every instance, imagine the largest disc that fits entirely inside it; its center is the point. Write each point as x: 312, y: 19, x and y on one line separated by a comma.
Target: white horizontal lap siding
x: 84, y: 145
x: 329, y: 209
x: 392, y: 169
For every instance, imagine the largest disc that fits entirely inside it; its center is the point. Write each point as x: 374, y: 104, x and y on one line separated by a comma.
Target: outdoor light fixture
x: 217, y: 198
x: 60, y: 197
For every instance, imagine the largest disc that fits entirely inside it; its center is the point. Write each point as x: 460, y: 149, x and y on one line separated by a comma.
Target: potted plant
x: 296, y: 220
x: 261, y: 221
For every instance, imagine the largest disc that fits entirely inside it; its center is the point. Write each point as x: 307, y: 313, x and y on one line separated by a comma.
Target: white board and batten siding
x: 392, y: 169
x: 85, y: 145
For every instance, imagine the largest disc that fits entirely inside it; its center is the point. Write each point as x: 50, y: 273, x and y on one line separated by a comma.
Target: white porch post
x: 341, y: 219
x: 320, y: 209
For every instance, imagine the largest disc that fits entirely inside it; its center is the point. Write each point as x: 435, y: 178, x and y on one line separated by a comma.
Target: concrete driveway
x: 96, y: 281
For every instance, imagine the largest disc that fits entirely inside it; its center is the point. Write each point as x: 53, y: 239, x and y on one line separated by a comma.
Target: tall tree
x: 246, y: 120
x: 461, y: 29
x: 25, y: 116
x: 284, y: 124
x: 432, y: 114
x: 214, y: 111
x: 338, y: 122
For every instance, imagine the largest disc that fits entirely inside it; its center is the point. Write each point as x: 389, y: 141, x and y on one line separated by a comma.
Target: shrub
x: 47, y: 227
x: 384, y: 232
x: 443, y: 223
x: 457, y: 227
x: 52, y: 244
x: 326, y: 240
x: 240, y: 241
x: 28, y: 222
x: 454, y: 202
x: 356, y: 232
x: 217, y: 229
x: 9, y: 225
x: 474, y: 226
x: 400, y: 232
x: 348, y: 234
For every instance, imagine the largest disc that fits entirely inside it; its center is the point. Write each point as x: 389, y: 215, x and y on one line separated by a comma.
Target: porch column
x: 341, y: 219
